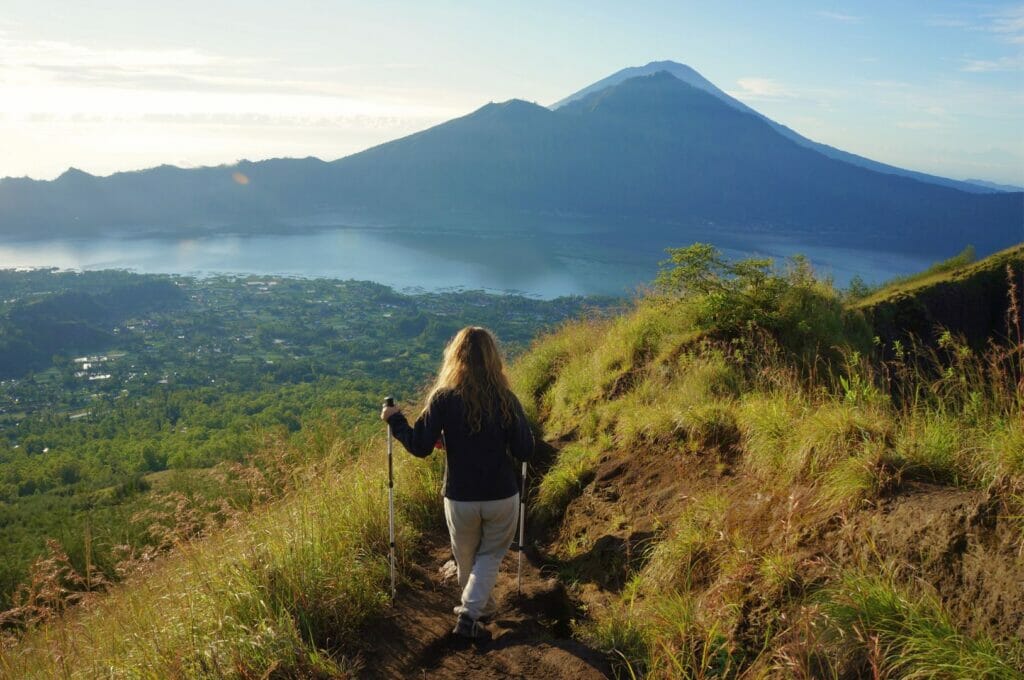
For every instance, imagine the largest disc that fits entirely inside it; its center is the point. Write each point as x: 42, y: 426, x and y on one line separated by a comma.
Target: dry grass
x: 832, y: 437
x: 284, y: 593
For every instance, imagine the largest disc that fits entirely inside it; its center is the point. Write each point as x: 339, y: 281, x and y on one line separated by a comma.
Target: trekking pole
x: 522, y: 531
x: 389, y: 402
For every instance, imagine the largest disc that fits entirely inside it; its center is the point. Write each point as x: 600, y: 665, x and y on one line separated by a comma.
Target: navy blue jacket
x: 480, y: 464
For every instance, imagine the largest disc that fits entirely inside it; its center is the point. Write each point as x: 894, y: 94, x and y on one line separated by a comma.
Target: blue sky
x: 105, y: 86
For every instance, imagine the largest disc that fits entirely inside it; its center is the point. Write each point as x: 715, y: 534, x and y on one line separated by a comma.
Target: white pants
x: 481, y: 533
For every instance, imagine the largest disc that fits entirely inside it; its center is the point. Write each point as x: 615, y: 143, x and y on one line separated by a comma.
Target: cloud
x: 840, y: 17
x: 755, y: 89
x: 1015, y: 63
x: 762, y: 88
x: 919, y: 124
x: 1008, y: 24
x: 66, y: 79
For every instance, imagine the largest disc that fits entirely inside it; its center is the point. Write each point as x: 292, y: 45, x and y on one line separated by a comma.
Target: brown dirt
x: 966, y: 545
x: 530, y: 635
x: 631, y: 497
x: 963, y: 543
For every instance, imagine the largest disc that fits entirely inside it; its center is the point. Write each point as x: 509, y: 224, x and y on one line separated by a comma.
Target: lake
x: 568, y: 264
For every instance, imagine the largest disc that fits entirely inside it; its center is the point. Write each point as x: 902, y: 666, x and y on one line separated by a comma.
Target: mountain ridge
x: 651, y: 150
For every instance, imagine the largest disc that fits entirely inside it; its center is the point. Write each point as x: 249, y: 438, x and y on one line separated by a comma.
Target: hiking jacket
x: 480, y: 464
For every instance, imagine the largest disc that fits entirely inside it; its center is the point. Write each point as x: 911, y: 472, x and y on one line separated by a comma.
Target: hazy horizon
x: 938, y: 88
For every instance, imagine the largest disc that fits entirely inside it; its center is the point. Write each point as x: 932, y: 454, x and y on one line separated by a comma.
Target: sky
x: 934, y: 85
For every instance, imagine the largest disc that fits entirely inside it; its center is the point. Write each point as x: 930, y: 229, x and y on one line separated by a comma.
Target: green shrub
x: 804, y: 315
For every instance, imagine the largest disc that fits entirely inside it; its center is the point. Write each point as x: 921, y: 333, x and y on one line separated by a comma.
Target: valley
x: 114, y: 383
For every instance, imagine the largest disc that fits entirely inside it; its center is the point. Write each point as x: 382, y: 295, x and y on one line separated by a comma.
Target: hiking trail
x: 530, y: 635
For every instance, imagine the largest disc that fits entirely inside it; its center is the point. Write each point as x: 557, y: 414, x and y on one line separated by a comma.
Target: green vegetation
x: 284, y: 593
x: 795, y: 430
x: 124, y: 392
x: 908, y: 634
x: 563, y: 481
x: 784, y: 497
x: 940, y: 270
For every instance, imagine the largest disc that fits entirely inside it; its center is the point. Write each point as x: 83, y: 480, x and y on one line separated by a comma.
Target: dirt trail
x: 530, y: 634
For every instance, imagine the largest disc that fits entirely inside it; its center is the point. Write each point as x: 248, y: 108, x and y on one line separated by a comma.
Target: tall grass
x: 779, y: 382
x: 909, y: 635
x: 668, y: 638
x: 690, y: 552
x: 285, y: 594
x: 563, y: 481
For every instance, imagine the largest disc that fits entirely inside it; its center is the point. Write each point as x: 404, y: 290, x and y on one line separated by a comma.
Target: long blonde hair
x: 473, y: 369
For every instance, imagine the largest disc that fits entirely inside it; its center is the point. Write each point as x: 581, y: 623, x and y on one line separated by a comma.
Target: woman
x: 473, y: 408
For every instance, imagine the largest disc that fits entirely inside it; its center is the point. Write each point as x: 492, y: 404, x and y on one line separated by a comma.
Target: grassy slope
x: 283, y: 593
x: 726, y: 510
x: 750, y: 559
x: 969, y: 300
x: 917, y: 283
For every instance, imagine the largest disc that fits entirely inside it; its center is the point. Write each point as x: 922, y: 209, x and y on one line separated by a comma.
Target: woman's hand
x: 389, y: 411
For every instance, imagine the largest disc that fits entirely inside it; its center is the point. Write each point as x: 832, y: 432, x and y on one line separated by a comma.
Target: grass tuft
x: 910, y: 635
x: 563, y: 481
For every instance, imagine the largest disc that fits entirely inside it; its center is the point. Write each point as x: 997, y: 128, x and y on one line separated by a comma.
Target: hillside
x: 639, y: 161
x: 970, y: 301
x: 728, y: 504
x: 734, y: 485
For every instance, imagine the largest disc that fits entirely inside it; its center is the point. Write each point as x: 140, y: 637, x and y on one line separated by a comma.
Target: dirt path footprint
x: 530, y: 634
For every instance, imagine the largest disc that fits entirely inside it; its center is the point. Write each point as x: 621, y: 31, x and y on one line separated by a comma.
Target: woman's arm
x: 420, y: 438
x: 520, y: 442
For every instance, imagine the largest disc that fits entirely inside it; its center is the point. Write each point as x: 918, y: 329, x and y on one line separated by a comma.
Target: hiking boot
x: 486, y: 615
x: 468, y: 628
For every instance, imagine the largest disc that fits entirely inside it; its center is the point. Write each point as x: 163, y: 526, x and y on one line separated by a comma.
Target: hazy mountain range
x: 657, y: 148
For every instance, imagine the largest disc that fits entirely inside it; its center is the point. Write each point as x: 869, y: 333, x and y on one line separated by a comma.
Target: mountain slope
x: 708, y: 509
x: 652, y: 152
x: 722, y: 511
x: 657, y: 149
x: 691, y: 77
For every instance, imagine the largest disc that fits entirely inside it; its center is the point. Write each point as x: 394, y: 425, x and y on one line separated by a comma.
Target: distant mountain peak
x: 73, y: 174
x: 652, y: 95
x: 512, y: 109
x: 691, y: 77
x: 511, y: 105
x: 672, y: 69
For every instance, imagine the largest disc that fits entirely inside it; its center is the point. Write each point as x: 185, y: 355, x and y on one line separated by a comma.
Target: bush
x: 804, y: 315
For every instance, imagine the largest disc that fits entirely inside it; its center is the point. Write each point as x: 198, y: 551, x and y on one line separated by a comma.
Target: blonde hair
x: 473, y: 369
